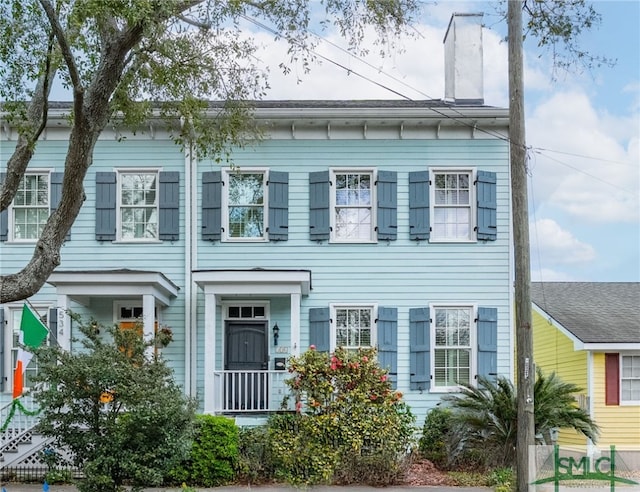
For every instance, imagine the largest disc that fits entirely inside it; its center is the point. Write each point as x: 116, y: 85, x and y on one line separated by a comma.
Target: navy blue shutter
x: 487, y: 342
x: 169, y: 205
x: 53, y: 326
x: 211, y: 205
x: 419, y: 227
x: 387, y: 196
x: 420, y: 349
x: 388, y: 342
x: 105, y: 206
x: 4, y: 216
x: 319, y: 328
x: 56, y: 196
x: 2, y: 347
x: 319, y: 216
x: 487, y: 204
x: 278, y: 206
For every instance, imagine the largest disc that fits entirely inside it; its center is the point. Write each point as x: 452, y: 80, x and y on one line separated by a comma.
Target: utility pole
x: 519, y: 206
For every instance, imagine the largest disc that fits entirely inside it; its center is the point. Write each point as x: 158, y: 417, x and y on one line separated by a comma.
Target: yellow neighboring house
x: 589, y: 334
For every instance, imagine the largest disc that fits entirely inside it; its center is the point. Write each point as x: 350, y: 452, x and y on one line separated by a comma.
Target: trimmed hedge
x: 214, y: 453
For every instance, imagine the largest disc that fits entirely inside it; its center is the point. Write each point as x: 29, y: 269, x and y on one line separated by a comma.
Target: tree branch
x: 60, y: 35
x: 37, y: 112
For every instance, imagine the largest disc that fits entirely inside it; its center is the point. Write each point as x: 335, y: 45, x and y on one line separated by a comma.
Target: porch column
x: 209, y: 352
x: 295, y: 324
x: 64, y: 322
x: 148, y: 319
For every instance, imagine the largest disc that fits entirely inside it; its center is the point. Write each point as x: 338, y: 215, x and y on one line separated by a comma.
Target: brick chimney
x: 463, y: 78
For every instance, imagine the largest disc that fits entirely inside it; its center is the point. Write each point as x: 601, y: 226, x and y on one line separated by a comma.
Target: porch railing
x: 17, y: 418
x: 250, y: 391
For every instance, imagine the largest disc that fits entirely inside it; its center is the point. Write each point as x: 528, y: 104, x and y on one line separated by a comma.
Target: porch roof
x: 258, y: 281
x: 80, y: 285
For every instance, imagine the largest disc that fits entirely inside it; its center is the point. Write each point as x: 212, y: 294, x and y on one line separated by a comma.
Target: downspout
x: 591, y: 448
x: 192, y: 361
x: 187, y: 267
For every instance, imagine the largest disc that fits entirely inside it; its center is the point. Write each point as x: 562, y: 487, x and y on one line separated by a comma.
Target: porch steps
x: 23, y: 450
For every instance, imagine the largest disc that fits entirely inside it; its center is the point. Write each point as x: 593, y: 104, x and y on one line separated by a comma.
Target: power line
x: 538, y: 150
x: 351, y: 71
x: 584, y: 172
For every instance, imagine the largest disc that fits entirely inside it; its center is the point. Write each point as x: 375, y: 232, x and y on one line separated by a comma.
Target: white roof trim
x: 254, y: 282
x: 611, y: 347
x: 114, y: 283
x: 577, y: 343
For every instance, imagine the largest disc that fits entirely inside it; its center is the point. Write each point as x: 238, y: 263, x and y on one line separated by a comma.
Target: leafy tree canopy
x: 126, y: 61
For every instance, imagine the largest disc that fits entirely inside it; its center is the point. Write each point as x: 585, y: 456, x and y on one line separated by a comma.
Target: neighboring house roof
x: 594, y: 312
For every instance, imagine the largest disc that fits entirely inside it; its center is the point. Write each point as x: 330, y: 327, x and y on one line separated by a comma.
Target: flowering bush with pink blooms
x: 350, y: 425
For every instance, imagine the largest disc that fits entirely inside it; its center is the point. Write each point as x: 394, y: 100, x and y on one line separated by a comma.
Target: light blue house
x: 353, y: 223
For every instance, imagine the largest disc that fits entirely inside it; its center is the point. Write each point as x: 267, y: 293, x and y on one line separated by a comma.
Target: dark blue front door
x: 246, y: 353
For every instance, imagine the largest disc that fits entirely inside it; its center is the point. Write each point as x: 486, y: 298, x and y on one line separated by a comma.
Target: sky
x: 582, y: 127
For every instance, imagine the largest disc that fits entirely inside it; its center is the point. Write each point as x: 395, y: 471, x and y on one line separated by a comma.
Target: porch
x: 243, y: 358
x: 251, y: 392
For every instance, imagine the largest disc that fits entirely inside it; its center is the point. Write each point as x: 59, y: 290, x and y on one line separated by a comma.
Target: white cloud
x: 549, y: 275
x: 415, y: 70
x: 554, y: 245
x: 588, y: 165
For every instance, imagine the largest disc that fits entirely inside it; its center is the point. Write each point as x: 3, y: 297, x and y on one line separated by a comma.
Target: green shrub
x: 214, y: 453
x: 503, y: 479
x: 350, y: 426
x: 115, y: 406
x: 433, y: 443
x: 255, y: 463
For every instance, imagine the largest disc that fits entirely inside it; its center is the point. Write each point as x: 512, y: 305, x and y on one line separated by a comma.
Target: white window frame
x: 473, y: 359
x: 226, y: 304
x: 119, y: 206
x: 132, y: 303
x: 13, y: 207
x: 333, y: 206
x: 334, y: 307
x: 10, y: 328
x: 226, y: 188
x: 621, y: 357
x: 473, y: 206
x: 230, y: 303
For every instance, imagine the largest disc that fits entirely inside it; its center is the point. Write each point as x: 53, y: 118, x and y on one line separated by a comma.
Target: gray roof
x: 595, y: 312
x: 330, y: 103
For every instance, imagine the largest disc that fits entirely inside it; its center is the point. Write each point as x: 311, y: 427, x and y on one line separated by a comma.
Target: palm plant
x: 486, y: 416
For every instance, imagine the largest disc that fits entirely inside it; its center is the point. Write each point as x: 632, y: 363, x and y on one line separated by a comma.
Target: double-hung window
x: 353, y: 326
x: 138, y: 205
x: 245, y: 217
x: 352, y: 203
x: 30, y: 207
x: 630, y: 379
x: 453, y: 356
x: 453, y: 205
